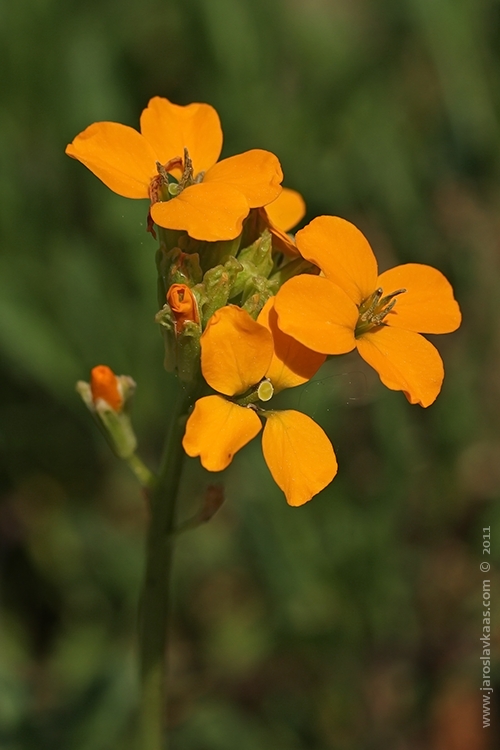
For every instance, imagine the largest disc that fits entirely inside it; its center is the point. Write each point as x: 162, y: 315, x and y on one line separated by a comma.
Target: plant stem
x: 144, y: 475
x: 154, y: 605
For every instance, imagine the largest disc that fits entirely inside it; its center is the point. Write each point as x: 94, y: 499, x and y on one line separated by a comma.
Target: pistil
x: 262, y: 391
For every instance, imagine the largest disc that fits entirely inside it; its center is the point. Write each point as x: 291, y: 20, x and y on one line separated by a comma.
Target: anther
x: 162, y: 172
x: 377, y: 319
x: 373, y: 304
x: 389, y: 297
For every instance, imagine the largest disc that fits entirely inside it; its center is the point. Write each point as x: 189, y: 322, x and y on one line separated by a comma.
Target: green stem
x: 154, y: 607
x: 144, y: 475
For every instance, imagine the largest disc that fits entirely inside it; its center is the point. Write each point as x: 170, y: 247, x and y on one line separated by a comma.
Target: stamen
x: 162, y: 172
x: 373, y: 302
x: 388, y: 298
x: 188, y: 174
x: 374, y: 310
x: 377, y: 319
x: 164, y: 185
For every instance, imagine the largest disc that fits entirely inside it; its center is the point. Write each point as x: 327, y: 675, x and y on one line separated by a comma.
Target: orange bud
x: 183, y: 304
x: 104, y: 385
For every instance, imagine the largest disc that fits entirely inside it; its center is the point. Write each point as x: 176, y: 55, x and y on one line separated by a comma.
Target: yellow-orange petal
x: 299, y: 455
x: 256, y: 174
x: 405, y: 361
x: 287, y: 210
x: 118, y: 155
x: 170, y: 128
x: 343, y: 254
x: 208, y: 212
x: 427, y: 306
x: 217, y: 429
x: 317, y: 313
x: 282, y: 241
x: 235, y: 351
x: 104, y: 385
x: 292, y: 363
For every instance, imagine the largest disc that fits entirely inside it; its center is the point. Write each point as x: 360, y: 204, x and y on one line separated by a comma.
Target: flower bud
x: 217, y: 286
x: 181, y: 330
x: 183, y: 304
x: 259, y: 254
x: 257, y: 263
x: 263, y: 289
x: 105, y: 386
x: 106, y: 397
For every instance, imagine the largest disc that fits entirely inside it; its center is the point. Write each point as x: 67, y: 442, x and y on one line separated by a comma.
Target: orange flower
x: 249, y: 361
x: 382, y: 315
x: 174, y: 157
x: 105, y: 386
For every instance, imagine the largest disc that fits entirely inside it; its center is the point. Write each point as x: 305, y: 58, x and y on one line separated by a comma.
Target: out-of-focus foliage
x: 352, y: 623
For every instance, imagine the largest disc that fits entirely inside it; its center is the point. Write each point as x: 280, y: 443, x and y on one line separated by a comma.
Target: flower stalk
x: 155, y: 598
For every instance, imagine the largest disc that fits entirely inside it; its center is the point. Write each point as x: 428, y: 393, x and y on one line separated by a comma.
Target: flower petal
x: 235, y: 351
x: 405, y: 362
x: 208, y: 212
x: 257, y: 174
x: 217, y: 429
x: 343, y: 254
x: 317, y: 313
x: 292, y: 363
x: 118, y: 155
x: 170, y: 128
x: 287, y: 210
x: 427, y: 306
x: 299, y: 455
x: 105, y: 385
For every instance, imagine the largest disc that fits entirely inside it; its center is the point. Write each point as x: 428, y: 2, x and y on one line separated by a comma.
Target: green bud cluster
x: 217, y: 274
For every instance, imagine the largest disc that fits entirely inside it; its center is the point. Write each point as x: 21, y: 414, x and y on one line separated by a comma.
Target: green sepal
x: 257, y: 262
x: 188, y: 352
x: 217, y: 253
x: 263, y: 289
x: 165, y: 318
x: 292, y: 268
x: 116, y: 425
x: 259, y: 254
x: 182, y: 348
x: 176, y: 267
x: 217, y: 287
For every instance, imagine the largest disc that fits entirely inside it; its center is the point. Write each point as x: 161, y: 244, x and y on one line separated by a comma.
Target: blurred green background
x: 352, y: 623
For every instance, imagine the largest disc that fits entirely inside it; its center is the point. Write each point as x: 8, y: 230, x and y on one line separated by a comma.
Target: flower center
x: 165, y: 186
x: 374, y: 309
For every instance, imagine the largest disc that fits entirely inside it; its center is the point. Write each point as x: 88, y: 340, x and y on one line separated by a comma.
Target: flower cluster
x: 246, y: 310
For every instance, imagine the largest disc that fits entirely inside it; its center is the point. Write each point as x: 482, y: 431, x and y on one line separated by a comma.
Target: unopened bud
x: 217, y: 286
x: 180, y: 324
x: 105, y: 386
x: 106, y: 397
x: 183, y: 304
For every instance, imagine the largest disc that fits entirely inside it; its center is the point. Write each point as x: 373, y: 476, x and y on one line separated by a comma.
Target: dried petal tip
x: 106, y: 386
